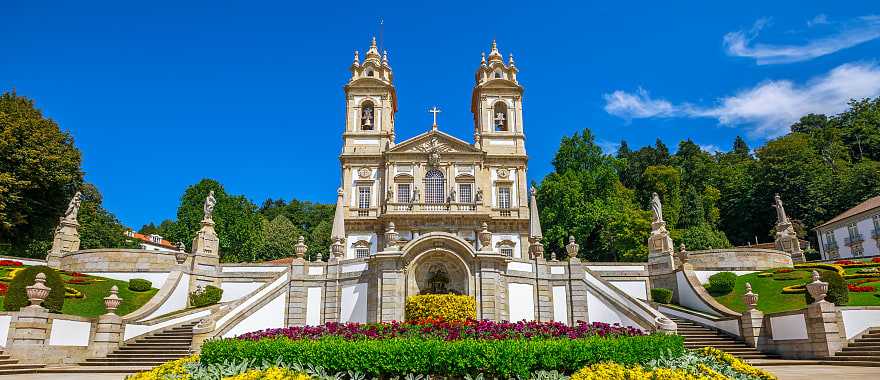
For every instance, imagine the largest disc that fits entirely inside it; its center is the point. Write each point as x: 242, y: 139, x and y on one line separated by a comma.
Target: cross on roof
x: 435, y: 111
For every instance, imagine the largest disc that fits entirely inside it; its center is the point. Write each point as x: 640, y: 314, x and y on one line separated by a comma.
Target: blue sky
x: 160, y: 95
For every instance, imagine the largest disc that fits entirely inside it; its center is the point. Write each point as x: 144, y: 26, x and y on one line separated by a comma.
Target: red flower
x: 3, y: 288
x: 845, y: 262
x: 10, y: 263
x: 861, y: 289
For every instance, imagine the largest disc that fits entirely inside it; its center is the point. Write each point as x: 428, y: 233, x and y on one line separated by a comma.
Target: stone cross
x: 434, y: 111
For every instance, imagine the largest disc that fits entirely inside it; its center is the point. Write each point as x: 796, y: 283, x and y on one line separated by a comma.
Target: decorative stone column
x: 109, y: 327
x: 752, y: 319
x: 205, y: 265
x: 660, y: 260
x: 823, y: 325
x: 30, y: 327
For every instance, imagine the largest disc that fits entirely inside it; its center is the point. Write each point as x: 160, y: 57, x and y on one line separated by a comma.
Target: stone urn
x: 750, y: 299
x: 38, y: 292
x: 572, y: 247
x: 300, y: 248
x: 817, y: 289
x: 180, y: 256
x: 485, y: 237
x: 112, y: 301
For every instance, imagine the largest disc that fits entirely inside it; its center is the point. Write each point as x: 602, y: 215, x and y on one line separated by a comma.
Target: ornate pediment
x: 434, y: 142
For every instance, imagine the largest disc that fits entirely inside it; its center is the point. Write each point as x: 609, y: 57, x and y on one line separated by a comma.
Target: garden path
x: 811, y: 372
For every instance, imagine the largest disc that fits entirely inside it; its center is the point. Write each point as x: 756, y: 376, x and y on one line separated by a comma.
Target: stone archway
x: 439, y: 263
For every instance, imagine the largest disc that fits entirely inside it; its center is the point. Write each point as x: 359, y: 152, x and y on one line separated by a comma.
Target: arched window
x: 367, y: 118
x: 499, y: 74
x: 435, y: 187
x: 370, y: 73
x: 499, y: 117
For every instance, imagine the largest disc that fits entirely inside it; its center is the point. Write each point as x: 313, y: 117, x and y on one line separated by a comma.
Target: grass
x: 772, y: 300
x: 94, y: 289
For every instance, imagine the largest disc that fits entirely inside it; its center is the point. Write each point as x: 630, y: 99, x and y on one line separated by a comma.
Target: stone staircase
x: 698, y: 336
x: 10, y: 366
x: 864, y: 351
x: 148, y: 351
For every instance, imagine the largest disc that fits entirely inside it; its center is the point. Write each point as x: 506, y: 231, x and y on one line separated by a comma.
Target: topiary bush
x: 139, y: 285
x: 661, y: 295
x: 208, y: 295
x: 16, y: 296
x: 838, y: 293
x: 812, y: 255
x: 721, y: 283
x: 447, y: 307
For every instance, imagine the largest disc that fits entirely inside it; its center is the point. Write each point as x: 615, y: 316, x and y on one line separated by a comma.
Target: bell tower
x: 497, y: 106
x: 371, y: 103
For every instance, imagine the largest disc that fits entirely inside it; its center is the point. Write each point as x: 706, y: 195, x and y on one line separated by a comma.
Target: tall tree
x: 277, y: 239
x: 39, y: 173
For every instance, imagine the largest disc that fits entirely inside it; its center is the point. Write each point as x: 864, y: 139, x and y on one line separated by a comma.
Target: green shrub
x: 812, y: 255
x: 661, y: 295
x: 16, y: 296
x: 139, y: 285
x: 400, y: 356
x: 838, y: 293
x: 208, y: 295
x: 447, y: 307
x: 721, y: 283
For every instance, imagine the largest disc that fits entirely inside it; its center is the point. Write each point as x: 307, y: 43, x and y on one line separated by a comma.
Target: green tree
x: 39, y: 172
x: 98, y: 228
x: 277, y: 240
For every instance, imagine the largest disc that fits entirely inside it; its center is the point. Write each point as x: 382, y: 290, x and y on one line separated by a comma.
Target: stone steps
x: 865, y: 349
x: 698, y: 336
x: 149, y: 351
x: 10, y: 366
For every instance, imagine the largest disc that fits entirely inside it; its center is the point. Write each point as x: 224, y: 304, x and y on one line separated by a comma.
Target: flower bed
x: 450, y: 307
x: 470, y: 329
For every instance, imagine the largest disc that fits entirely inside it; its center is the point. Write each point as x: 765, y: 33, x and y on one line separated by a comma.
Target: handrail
x: 649, y: 318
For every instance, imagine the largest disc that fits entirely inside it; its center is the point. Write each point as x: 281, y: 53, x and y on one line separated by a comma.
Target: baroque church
x: 433, y: 182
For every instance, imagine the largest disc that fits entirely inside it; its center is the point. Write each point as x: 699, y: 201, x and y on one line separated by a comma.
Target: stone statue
x: 781, y: 218
x: 656, y: 208
x: 73, y: 207
x: 451, y: 197
x: 478, y: 197
x: 499, y: 120
x: 367, y: 118
x: 416, y: 196
x: 210, y: 202
x: 389, y: 195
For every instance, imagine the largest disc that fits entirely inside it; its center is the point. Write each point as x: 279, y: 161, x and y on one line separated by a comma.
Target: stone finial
x: 300, y: 248
x: 665, y: 325
x: 750, y: 299
x: 483, y: 60
x: 510, y: 60
x: 683, y: 254
x: 485, y: 237
x: 38, y: 292
x: 817, y: 289
x: 385, y: 58
x: 572, y: 247
x: 111, y: 302
x: 391, y: 236
x: 357, y: 58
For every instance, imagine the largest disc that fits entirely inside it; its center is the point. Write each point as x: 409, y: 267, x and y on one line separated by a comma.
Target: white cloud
x: 768, y: 108
x: 608, y: 147
x: 857, y: 31
x: 711, y: 148
x: 820, y: 19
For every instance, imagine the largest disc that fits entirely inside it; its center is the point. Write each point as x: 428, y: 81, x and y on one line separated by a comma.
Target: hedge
x: 139, y: 285
x: 16, y: 296
x: 661, y: 295
x: 400, y: 356
x: 447, y: 307
x: 208, y: 295
x: 721, y: 283
x: 838, y: 293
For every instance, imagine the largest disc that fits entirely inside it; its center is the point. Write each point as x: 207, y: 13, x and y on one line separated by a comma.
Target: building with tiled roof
x: 153, y: 242
x: 853, y: 233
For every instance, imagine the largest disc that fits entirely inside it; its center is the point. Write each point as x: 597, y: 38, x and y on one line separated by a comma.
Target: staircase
x: 10, y: 366
x: 148, y: 351
x: 698, y: 336
x: 864, y: 351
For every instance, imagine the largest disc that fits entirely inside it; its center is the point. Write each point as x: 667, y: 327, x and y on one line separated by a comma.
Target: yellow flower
x: 448, y: 307
x: 737, y: 364
x: 274, y: 373
x: 172, y: 369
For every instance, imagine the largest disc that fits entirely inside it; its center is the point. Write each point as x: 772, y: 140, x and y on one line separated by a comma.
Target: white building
x: 853, y: 233
x: 153, y: 242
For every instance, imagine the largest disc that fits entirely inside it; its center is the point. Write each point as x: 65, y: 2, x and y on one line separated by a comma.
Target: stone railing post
x: 752, y: 319
x: 109, y: 327
x: 29, y: 329
x: 823, y: 326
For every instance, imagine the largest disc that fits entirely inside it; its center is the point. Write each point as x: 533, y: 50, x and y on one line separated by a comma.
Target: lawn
x: 93, y: 289
x: 768, y: 285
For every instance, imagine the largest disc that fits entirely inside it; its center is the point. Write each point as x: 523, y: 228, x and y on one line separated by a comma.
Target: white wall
x: 354, y: 237
x: 688, y: 298
x: 69, y: 333
x: 235, y: 290
x: 521, y: 301
x: 276, y: 268
x: 313, y: 306
x: 637, y: 289
x: 354, y: 303
x: 560, y: 304
x: 865, y: 226
x: 5, y: 321
x: 857, y: 321
x: 248, y: 302
x: 270, y: 316
x: 177, y: 300
x: 134, y: 330
x: 517, y: 243
x: 788, y: 327
x: 600, y: 311
x: 729, y: 325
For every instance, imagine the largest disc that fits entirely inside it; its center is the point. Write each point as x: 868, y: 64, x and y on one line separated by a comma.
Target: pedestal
x: 787, y: 241
x: 823, y: 329
x: 205, y: 257
x: 660, y: 251
x: 751, y: 322
x: 66, y: 240
x: 107, y: 336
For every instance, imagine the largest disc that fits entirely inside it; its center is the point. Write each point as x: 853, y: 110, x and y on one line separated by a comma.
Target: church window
x: 403, y: 193
x: 499, y: 118
x: 435, y: 188
x: 505, y: 248
x: 507, y: 251
x: 361, y: 249
x: 504, y: 200
x: 466, y: 195
x: 498, y: 74
x: 367, y: 116
x: 370, y: 73
x: 363, y: 200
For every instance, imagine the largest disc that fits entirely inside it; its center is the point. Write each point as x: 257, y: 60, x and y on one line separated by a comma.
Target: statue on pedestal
x: 781, y: 218
x: 656, y: 208
x: 73, y: 207
x: 210, y: 202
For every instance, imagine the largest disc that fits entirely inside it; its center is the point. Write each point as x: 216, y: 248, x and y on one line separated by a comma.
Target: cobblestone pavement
x: 811, y: 372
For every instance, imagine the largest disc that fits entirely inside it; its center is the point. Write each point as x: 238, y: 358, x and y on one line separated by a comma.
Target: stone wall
x: 118, y: 260
x: 738, y: 259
